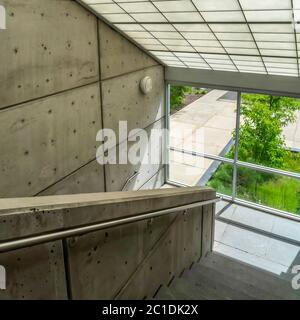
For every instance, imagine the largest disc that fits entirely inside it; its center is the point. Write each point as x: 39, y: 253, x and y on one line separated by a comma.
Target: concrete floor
x: 266, y: 252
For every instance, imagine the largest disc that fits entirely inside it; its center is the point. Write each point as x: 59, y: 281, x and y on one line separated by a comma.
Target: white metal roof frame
x: 233, y: 40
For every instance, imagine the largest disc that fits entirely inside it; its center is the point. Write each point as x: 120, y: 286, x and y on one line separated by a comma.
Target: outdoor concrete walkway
x: 215, y: 120
x: 267, y: 252
x: 292, y: 134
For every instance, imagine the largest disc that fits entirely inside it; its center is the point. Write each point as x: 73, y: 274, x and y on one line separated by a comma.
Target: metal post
x: 167, y: 137
x: 236, y: 146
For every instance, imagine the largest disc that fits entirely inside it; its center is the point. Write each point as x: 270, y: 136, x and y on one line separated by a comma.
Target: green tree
x: 264, y: 117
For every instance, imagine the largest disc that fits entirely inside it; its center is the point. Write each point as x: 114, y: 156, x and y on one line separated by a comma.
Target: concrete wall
x: 127, y: 261
x: 64, y: 75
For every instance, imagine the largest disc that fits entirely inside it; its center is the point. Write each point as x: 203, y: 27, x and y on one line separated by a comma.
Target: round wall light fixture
x: 146, y: 85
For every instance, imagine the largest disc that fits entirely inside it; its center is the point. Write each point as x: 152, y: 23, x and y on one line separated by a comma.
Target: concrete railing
x: 121, y: 245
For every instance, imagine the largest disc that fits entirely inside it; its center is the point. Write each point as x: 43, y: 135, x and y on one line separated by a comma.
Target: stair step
x: 164, y: 293
x: 235, y: 289
x: 186, y: 290
x: 209, y: 279
x: 266, y: 283
x: 218, y: 277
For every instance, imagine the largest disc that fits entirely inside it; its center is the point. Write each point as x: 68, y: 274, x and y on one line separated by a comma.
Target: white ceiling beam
x: 247, y: 82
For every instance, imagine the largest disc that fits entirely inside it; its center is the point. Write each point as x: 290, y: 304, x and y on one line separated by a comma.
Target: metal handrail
x: 77, y: 231
x: 129, y: 179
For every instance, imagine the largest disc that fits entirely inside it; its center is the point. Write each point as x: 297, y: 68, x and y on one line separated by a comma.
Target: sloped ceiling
x: 251, y: 36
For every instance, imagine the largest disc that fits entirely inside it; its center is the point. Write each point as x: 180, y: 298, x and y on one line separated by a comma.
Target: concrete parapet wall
x: 128, y: 261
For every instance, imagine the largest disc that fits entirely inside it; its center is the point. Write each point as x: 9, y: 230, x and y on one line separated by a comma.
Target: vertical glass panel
x: 219, y: 176
x: 269, y: 130
x: 269, y: 189
x: 203, y: 120
x: 200, y: 123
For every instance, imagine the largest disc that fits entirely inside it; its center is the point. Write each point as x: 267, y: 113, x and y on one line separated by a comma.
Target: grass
x: 275, y: 191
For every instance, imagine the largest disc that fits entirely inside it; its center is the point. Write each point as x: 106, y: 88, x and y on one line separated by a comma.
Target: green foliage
x: 261, y: 138
x: 222, y: 180
x: 178, y: 94
x: 274, y: 191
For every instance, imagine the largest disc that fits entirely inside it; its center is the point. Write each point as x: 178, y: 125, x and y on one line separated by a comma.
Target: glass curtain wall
x: 259, y: 160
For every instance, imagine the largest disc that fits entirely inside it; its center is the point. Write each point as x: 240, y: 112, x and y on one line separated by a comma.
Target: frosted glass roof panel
x: 139, y: 35
x: 234, y: 36
x: 256, y: 36
x: 296, y: 4
x: 225, y: 16
x: 108, y: 8
x: 279, y: 37
x: 172, y: 6
x: 183, y: 17
x: 228, y: 27
x: 269, y: 16
x: 199, y: 35
x: 265, y: 4
x: 215, y: 5
x: 248, y: 63
x: 178, y: 42
x: 239, y: 44
x: 145, y: 17
x: 166, y: 35
x: 138, y: 7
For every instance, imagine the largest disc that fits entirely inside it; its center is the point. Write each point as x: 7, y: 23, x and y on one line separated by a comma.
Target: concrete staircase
x: 217, y: 277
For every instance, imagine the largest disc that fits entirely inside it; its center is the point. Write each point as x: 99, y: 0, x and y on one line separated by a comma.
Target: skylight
x: 252, y: 36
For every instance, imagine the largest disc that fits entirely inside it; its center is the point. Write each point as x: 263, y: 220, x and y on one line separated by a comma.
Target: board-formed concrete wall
x: 64, y: 76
